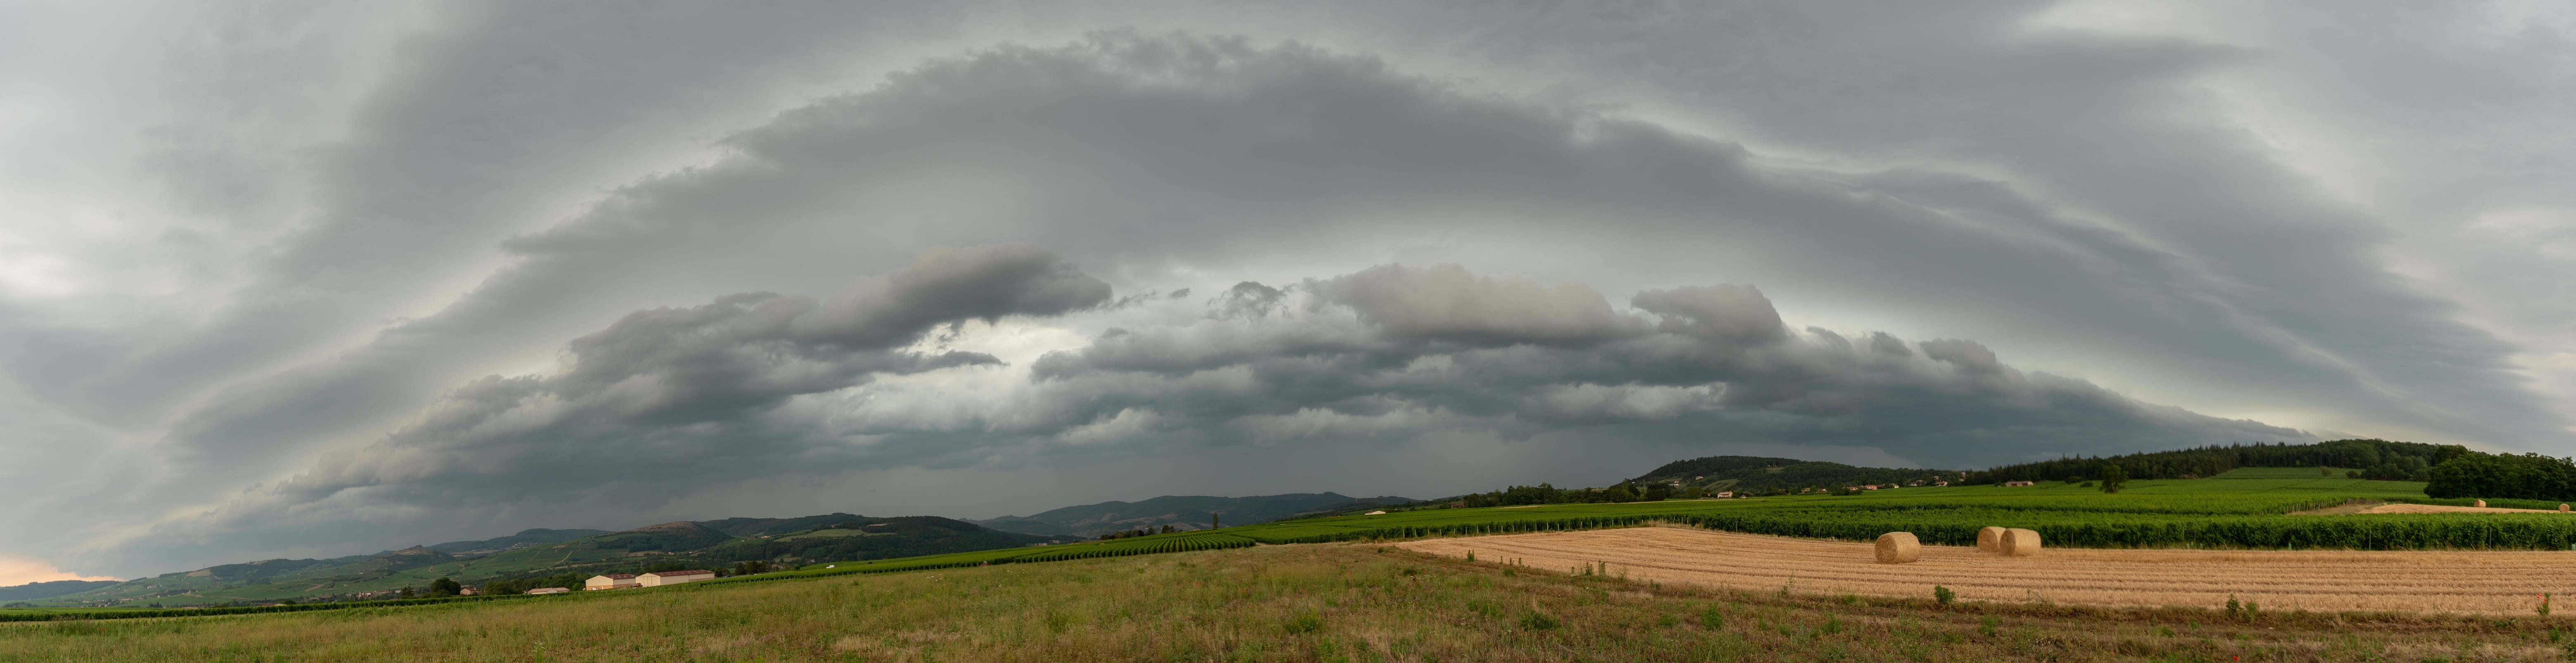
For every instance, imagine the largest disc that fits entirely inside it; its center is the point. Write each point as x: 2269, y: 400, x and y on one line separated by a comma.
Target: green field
x: 2243, y: 513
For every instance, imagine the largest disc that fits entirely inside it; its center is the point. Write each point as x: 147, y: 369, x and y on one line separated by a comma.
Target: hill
x: 522, y: 539
x: 550, y: 554
x: 775, y: 526
x: 1755, y: 473
x: 1182, y: 512
x: 39, y: 590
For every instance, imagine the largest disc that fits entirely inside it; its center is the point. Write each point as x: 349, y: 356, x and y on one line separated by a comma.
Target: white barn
x: 660, y: 578
x: 609, y: 581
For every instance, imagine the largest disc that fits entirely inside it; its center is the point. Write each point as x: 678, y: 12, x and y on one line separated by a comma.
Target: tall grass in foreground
x: 1277, y: 603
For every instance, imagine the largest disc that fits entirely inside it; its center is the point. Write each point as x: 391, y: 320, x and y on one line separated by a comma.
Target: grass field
x: 1337, y: 602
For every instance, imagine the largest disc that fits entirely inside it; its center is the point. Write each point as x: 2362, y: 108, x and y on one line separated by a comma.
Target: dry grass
x: 2481, y: 583
x: 1273, y: 603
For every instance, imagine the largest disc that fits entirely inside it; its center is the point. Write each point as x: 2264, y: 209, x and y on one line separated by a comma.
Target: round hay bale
x: 2562, y: 506
x: 2482, y: 504
x: 1990, y: 540
x: 2019, y: 542
x: 1899, y: 548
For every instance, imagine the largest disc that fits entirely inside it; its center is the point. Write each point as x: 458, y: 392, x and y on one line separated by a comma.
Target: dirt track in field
x: 2501, y: 583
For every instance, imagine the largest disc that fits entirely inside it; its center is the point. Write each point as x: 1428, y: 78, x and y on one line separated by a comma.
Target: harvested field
x: 2436, y: 508
x: 2483, y: 582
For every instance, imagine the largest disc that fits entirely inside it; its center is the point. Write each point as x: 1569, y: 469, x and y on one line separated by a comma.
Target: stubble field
x: 2460, y: 582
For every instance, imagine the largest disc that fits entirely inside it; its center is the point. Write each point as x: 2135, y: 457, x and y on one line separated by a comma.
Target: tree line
x: 2374, y: 459
x: 1548, y: 494
x: 2527, y: 476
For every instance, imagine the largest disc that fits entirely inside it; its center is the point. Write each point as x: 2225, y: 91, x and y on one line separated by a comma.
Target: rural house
x: 549, y: 590
x: 2017, y: 483
x: 660, y: 578
x: 610, y: 581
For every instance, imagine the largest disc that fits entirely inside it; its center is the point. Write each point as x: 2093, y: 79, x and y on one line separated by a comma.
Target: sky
x: 310, y: 279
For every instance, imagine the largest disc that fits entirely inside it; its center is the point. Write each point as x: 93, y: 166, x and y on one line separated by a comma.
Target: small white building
x: 609, y: 581
x: 2017, y: 483
x: 660, y: 578
x: 1724, y: 494
x: 550, y: 590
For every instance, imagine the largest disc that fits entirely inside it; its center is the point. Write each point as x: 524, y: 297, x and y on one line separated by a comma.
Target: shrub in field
x: 2112, y: 478
x: 1304, y: 622
x: 1943, y: 595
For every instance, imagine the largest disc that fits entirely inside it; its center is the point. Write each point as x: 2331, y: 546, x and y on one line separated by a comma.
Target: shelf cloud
x: 360, y: 279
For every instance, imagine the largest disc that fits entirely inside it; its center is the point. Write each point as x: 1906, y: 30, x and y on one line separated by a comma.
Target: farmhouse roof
x: 618, y: 576
x: 690, y: 572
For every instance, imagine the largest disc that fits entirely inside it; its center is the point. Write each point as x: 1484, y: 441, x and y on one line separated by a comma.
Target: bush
x: 1304, y: 622
x: 1943, y: 595
x: 1538, y: 621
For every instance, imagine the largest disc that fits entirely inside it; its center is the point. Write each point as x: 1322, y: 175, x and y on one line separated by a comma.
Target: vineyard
x: 2178, y: 513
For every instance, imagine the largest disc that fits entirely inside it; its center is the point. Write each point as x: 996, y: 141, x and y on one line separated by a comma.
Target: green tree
x: 444, y: 587
x: 2112, y: 477
x: 406, y: 592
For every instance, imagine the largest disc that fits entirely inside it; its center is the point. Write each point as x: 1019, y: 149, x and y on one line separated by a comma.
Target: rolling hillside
x: 539, y: 553
x: 39, y: 590
x: 1742, y: 473
x: 522, y: 539
x: 1184, y: 512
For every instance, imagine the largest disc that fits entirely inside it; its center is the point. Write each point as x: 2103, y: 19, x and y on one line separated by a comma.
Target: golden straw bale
x: 2482, y: 504
x: 2019, y: 542
x: 1990, y: 540
x: 2562, y: 506
x: 1899, y: 548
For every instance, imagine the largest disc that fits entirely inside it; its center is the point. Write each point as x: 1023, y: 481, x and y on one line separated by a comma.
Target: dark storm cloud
x: 1709, y: 363
x: 668, y: 398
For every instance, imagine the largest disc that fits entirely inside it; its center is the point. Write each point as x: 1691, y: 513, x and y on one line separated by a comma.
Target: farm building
x: 609, y: 581
x: 660, y: 578
x: 1729, y: 493
x: 549, y: 590
x: 2018, y: 483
